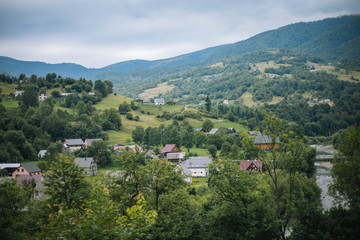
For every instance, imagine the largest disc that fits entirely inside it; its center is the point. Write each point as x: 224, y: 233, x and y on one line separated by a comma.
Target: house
x: 159, y: 101
x: 10, y: 167
x: 88, y: 142
x: 213, y: 131
x: 29, y: 169
x: 66, y: 94
x: 200, y: 130
x: 175, y: 157
x: 199, y: 166
x: 91, y: 93
x: 42, y: 97
x: 89, y: 165
x: 252, y: 166
x: 226, y: 102
x: 73, y: 144
x: 173, y: 153
x: 231, y: 132
x: 170, y: 148
x: 41, y: 154
x: 18, y: 93
x: 187, y: 173
x: 265, y: 142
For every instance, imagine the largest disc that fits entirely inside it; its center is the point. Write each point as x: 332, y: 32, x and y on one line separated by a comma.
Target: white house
x: 73, y: 144
x: 89, y: 165
x: 42, y: 97
x: 159, y: 101
x: 199, y: 166
x: 18, y: 93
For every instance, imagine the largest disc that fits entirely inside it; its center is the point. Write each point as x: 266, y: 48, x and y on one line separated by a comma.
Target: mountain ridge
x: 304, y: 37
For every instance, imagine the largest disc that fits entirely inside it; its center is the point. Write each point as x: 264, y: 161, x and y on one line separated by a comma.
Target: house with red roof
x: 172, y: 153
x: 252, y: 166
x: 170, y: 148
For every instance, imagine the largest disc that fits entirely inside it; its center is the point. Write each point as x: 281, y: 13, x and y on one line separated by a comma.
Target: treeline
x: 53, y: 81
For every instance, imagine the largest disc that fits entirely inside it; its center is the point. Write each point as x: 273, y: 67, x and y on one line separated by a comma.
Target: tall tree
x: 346, y: 168
x: 30, y: 97
x: 208, y: 104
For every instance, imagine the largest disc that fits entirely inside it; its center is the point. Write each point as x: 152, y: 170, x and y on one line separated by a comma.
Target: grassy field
x: 112, y: 101
x: 161, y: 88
x: 247, y: 99
x: 10, y: 103
x: 7, y: 88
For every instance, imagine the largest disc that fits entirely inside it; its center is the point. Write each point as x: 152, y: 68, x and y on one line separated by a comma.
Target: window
x: 22, y: 170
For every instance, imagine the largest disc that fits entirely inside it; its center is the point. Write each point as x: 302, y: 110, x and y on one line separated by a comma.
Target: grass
x: 198, y: 182
x: 7, y: 88
x: 247, y: 99
x: 112, y: 101
x: 161, y: 88
x: 10, y: 103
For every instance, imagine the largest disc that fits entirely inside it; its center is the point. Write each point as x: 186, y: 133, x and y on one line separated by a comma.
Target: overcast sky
x: 96, y: 33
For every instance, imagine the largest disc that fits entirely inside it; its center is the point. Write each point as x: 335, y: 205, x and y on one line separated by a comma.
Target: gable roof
x: 213, y: 131
x: 159, y: 100
x: 168, y: 148
x: 74, y: 142
x: 21, y: 178
x: 31, y: 167
x: 244, y: 165
x: 264, y: 139
x: 9, y: 165
x: 198, y: 162
x: 185, y: 170
x: 84, y: 162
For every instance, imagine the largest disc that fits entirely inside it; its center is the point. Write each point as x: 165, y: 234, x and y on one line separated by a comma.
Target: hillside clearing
x: 161, y: 88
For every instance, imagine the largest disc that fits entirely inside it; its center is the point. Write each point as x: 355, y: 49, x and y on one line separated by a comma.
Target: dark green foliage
x: 207, y: 125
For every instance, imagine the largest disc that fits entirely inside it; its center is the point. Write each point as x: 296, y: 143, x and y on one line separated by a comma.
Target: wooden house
x: 265, y: 142
x: 252, y: 166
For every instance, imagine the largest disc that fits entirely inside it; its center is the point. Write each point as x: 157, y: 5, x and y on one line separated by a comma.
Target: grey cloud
x: 97, y: 33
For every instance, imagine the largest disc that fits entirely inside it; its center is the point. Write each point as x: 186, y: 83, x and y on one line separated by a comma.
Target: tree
x: 138, y: 134
x: 65, y: 184
x: 199, y: 139
x: 124, y: 108
x: 212, y: 151
x: 30, y: 97
x: 346, y: 166
x: 100, y: 87
x: 282, y: 168
x: 12, y: 203
x: 208, y: 104
x: 207, y: 125
x: 100, y: 218
x: 101, y: 153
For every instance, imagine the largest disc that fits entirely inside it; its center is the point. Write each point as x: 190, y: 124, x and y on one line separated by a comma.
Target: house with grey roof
x: 159, y: 101
x: 186, y: 172
x: 213, y: 131
x: 88, y: 164
x: 73, y: 144
x: 199, y: 166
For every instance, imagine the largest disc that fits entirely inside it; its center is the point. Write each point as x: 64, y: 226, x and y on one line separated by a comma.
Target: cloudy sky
x: 96, y: 33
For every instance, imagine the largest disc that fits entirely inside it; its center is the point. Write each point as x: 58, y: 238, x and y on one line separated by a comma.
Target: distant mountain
x: 331, y: 39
